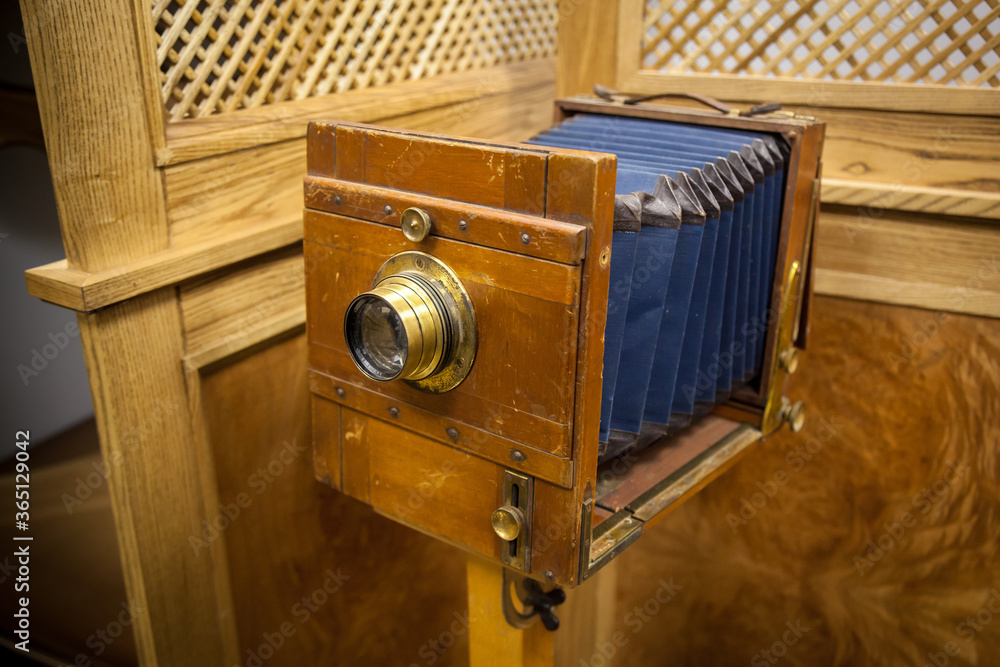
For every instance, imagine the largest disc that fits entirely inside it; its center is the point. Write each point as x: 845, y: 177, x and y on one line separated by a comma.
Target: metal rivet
x: 452, y: 432
x: 387, y: 209
x: 517, y: 455
x: 550, y: 575
x: 525, y: 238
x: 463, y: 226
x: 393, y: 412
x: 340, y: 392
x: 337, y: 200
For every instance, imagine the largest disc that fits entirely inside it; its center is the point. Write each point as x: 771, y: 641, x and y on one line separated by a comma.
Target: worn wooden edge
x: 495, y: 228
x: 928, y: 98
x: 86, y: 292
x: 662, y: 460
x: 898, y: 197
x: 193, y: 139
x: 209, y: 356
x: 426, y: 423
x: 657, y: 503
x: 664, y: 111
x: 930, y: 296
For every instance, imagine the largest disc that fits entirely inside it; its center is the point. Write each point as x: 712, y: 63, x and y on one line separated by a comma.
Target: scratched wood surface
x: 900, y: 449
x: 396, y: 591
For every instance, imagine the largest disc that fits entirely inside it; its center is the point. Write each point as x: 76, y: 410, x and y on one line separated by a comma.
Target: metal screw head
x: 797, y: 416
x: 452, y: 432
x: 517, y: 455
x: 393, y: 412
x: 794, y: 414
x: 789, y: 360
x: 340, y: 392
x: 525, y: 238
x: 416, y: 224
x: 337, y: 200
x: 463, y: 226
x: 550, y: 575
x: 387, y: 209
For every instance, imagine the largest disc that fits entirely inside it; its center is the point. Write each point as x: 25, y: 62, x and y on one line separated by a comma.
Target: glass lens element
x: 377, y: 338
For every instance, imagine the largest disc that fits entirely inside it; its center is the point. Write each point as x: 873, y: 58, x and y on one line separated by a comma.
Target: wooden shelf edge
x: 931, y: 296
x: 86, y: 292
x: 810, y: 92
x: 891, y: 196
x: 205, y: 137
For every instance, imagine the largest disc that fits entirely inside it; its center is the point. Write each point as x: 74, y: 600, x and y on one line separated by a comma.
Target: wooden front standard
x: 528, y: 232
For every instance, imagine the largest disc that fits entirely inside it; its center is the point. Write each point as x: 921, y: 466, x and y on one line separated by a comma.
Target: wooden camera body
x: 526, y: 230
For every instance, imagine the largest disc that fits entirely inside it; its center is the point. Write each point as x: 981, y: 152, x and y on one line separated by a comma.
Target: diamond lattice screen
x: 935, y: 42
x: 217, y: 57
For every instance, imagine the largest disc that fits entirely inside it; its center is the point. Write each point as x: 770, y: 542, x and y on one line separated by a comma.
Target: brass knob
x: 416, y: 224
x: 794, y: 414
x: 789, y: 360
x: 508, y: 522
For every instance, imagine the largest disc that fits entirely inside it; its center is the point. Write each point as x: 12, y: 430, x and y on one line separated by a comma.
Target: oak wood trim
x: 204, y: 137
x: 922, y: 199
x: 848, y: 94
x: 86, y: 292
x: 496, y: 228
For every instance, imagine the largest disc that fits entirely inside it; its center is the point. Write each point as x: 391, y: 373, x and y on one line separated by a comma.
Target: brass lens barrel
x: 424, y: 320
x: 416, y: 324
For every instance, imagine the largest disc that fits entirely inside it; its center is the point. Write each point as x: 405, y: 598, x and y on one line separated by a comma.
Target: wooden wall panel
x: 900, y: 450
x: 909, y: 259
x: 397, y: 590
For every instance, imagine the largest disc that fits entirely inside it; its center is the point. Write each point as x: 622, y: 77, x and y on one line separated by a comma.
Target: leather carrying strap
x: 630, y: 98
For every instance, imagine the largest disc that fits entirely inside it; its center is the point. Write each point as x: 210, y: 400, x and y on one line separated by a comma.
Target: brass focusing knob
x: 416, y: 224
x: 508, y: 522
x: 794, y: 414
x: 416, y: 324
x: 789, y: 360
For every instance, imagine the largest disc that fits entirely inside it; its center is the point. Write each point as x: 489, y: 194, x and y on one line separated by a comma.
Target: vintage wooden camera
x: 533, y: 350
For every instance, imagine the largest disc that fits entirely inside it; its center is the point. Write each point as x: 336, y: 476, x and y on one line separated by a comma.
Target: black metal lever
x: 541, y: 603
x: 534, y: 601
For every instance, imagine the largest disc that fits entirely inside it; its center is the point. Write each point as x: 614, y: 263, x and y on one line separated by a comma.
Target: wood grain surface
x: 900, y: 451
x: 293, y: 537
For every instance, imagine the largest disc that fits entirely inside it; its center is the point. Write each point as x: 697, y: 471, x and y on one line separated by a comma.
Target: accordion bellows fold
x: 696, y: 230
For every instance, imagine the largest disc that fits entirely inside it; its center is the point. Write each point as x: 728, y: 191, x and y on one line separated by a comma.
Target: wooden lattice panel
x: 929, y: 42
x: 217, y: 57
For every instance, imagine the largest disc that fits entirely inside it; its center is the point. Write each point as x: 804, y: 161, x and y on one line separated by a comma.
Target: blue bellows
x: 697, y: 221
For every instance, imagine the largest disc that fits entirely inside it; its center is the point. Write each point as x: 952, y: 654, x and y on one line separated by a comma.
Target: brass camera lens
x: 377, y: 338
x: 416, y: 324
x: 398, y: 330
